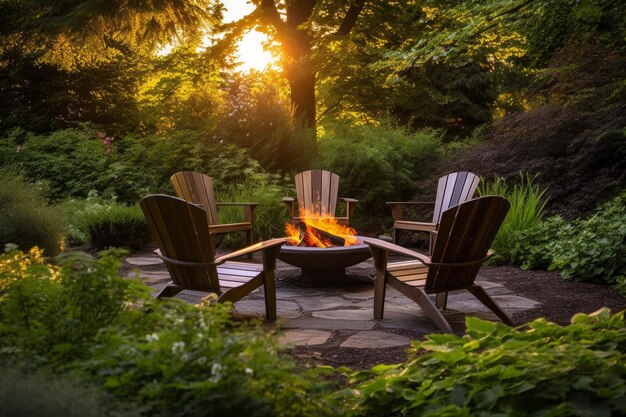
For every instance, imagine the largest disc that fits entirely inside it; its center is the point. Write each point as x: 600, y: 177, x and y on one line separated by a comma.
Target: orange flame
x: 327, y: 223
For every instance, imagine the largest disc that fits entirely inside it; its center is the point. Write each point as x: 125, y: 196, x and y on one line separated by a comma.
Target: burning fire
x: 319, y: 232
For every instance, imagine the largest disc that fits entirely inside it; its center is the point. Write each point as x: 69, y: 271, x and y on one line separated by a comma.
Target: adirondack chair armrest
x: 261, y: 246
x: 392, y: 247
x: 290, y: 203
x: 350, y: 205
x: 426, y: 260
x: 397, y: 207
x: 248, y: 209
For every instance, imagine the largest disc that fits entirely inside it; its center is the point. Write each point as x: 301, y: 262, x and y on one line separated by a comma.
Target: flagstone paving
x: 312, y: 316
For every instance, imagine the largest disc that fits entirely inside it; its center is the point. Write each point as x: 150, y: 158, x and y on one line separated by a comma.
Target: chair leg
x: 484, y: 298
x: 394, y: 235
x: 423, y: 300
x: 441, y: 300
x: 249, y: 241
x: 169, y: 290
x: 269, y: 282
x: 380, y: 261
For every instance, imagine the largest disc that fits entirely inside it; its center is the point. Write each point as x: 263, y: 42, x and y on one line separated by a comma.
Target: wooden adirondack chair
x: 181, y: 231
x: 465, y: 233
x: 316, y: 192
x: 197, y: 188
x: 453, y: 189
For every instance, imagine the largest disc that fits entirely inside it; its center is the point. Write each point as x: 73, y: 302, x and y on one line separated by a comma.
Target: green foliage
x: 78, y: 162
x: 52, y: 313
x: 592, y: 249
x: 527, y: 205
x: 537, y: 370
x: 168, y: 357
x: 70, y: 161
x: 118, y: 226
x: 105, y: 223
x: 270, y: 215
x: 26, y: 219
x: 378, y: 163
x: 41, y: 395
x: 258, y: 117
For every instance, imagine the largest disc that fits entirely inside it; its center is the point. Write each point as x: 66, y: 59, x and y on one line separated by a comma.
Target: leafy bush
x: 538, y: 370
x: 26, y: 219
x: 70, y: 161
x: 167, y: 357
x: 378, y: 163
x: 52, y: 312
x: 105, y: 223
x: 75, y: 162
x: 527, y: 205
x: 270, y: 215
x: 119, y: 226
x: 593, y: 249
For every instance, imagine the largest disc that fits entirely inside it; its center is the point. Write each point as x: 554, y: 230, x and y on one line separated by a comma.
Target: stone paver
x: 321, y: 302
x: 360, y: 314
x: 144, y: 260
x: 309, y: 316
x: 304, y: 337
x: 375, y: 340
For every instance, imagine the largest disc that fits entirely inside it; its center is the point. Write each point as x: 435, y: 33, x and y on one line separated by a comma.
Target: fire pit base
x: 324, y: 266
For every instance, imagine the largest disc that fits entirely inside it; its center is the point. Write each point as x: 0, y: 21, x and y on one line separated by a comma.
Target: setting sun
x: 251, y: 54
x: 250, y: 51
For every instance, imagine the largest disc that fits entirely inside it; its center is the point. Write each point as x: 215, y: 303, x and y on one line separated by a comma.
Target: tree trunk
x: 302, y: 85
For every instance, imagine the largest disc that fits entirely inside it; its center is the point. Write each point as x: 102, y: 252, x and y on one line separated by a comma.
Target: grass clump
x: 26, y: 218
x: 527, y: 208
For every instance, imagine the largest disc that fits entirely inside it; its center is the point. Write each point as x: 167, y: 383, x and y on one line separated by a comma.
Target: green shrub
x: 50, y: 312
x: 540, y: 369
x: 527, y: 205
x: 39, y: 395
x: 26, y: 219
x: 119, y: 226
x: 270, y: 215
x: 105, y: 223
x: 592, y: 249
x: 74, y: 162
x: 378, y: 163
x: 166, y: 356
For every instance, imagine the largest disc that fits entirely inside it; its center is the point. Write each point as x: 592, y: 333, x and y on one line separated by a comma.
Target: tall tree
x: 296, y: 34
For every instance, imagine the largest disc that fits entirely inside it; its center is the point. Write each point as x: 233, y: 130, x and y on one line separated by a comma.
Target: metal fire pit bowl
x: 324, y: 266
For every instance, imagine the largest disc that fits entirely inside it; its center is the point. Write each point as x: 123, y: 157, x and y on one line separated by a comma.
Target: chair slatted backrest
x: 317, y: 192
x: 465, y: 234
x: 197, y: 188
x: 454, y: 189
x: 181, y: 231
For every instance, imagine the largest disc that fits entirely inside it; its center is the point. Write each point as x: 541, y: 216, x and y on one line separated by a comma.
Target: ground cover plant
x: 590, y: 249
x: 539, y: 369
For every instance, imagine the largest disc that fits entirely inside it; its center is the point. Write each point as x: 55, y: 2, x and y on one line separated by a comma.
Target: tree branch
x: 350, y: 18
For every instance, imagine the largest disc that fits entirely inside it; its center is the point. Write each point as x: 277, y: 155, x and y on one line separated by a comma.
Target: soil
x: 560, y: 300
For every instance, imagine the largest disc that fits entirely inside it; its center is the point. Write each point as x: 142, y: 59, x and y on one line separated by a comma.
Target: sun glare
x: 250, y: 51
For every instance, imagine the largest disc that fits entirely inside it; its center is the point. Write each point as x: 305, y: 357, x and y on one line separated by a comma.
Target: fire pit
x: 323, y: 249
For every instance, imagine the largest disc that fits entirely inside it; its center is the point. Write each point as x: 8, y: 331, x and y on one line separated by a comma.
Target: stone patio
x: 311, y: 316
